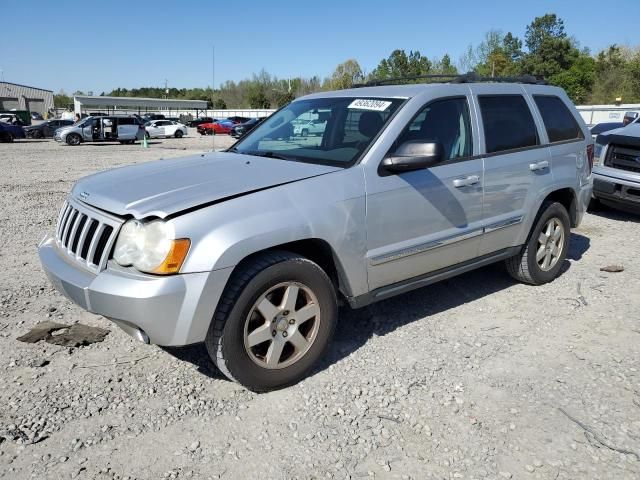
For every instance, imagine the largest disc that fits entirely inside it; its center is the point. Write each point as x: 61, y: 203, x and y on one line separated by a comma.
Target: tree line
x: 546, y: 51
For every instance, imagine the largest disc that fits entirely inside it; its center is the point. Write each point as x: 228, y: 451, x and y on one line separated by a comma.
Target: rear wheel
x: 6, y: 137
x: 179, y: 134
x: 73, y: 139
x: 37, y: 134
x: 274, y: 321
x: 541, y: 259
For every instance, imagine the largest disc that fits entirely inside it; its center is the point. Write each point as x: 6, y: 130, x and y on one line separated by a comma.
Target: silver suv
x: 117, y: 128
x: 251, y: 250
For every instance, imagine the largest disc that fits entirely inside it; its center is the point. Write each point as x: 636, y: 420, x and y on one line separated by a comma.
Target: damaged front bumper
x: 165, y: 310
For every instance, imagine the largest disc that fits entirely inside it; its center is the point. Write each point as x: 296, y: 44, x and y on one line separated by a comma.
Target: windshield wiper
x: 267, y: 154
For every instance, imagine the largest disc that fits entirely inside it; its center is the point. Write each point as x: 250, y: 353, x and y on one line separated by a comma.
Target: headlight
x: 597, y: 153
x: 150, y: 247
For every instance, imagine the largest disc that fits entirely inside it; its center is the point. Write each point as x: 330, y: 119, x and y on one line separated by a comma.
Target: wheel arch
x: 568, y: 198
x: 318, y: 251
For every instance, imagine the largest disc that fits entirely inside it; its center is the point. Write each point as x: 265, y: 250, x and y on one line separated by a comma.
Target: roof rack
x: 470, y: 77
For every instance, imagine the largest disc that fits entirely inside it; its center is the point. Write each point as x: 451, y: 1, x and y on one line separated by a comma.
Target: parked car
x: 251, y: 250
x: 36, y: 116
x: 242, y: 129
x: 23, y: 116
x: 630, y: 117
x: 616, y: 173
x: 123, y: 129
x: 309, y: 127
x: 9, y: 132
x: 236, y: 119
x: 46, y: 129
x: 599, y: 128
x: 165, y: 128
x: 200, y: 121
x: 216, y: 128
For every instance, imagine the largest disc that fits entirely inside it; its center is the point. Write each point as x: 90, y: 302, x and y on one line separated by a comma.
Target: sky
x: 101, y: 45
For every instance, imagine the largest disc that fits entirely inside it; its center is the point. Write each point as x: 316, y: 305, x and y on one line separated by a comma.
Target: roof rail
x: 470, y: 77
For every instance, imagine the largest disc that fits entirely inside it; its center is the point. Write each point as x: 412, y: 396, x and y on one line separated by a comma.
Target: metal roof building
x: 21, y: 97
x: 83, y: 102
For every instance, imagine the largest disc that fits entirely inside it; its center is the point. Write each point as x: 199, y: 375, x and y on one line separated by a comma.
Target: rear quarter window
x: 508, y: 123
x: 559, y: 122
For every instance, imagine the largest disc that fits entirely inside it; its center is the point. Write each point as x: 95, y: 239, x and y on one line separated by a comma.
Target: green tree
x: 345, y: 75
x: 542, y: 28
x: 399, y: 64
x: 62, y: 100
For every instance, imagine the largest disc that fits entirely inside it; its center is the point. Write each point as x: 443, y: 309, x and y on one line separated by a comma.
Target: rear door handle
x: 539, y: 166
x: 467, y: 181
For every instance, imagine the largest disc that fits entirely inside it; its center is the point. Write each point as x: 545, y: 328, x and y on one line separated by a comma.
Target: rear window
x: 560, y: 124
x: 508, y: 123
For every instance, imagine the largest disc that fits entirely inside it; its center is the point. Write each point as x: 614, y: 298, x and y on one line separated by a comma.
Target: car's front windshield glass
x: 330, y: 131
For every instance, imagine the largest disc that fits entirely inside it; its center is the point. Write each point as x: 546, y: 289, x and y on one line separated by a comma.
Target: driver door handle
x: 539, y: 166
x: 466, y: 181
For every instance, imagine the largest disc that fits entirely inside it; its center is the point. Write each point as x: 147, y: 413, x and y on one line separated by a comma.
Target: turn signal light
x: 173, y: 262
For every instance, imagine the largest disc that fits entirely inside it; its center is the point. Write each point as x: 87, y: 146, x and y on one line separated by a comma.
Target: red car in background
x: 216, y: 128
x: 220, y: 126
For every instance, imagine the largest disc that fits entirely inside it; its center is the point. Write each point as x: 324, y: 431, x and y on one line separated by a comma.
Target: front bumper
x: 623, y: 188
x: 170, y: 310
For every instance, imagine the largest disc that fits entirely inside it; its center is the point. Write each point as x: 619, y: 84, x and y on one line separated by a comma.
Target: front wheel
x: 179, y: 134
x: 274, y: 321
x: 73, y: 139
x: 541, y: 258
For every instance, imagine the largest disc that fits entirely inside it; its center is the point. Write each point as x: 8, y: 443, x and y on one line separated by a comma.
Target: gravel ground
x: 475, y: 377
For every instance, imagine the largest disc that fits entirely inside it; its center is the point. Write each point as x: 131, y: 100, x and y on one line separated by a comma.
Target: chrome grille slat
x: 83, y: 228
x: 83, y: 235
x: 94, y: 244
x: 72, y: 234
x: 63, y: 211
x: 63, y: 223
x: 65, y: 234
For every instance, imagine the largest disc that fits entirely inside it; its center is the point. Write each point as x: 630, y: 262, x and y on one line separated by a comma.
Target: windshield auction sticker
x: 369, y: 104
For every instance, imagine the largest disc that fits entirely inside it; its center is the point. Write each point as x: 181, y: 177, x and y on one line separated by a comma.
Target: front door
x: 425, y: 220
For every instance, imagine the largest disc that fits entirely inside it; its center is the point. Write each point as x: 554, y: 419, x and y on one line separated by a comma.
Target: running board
x: 394, y: 289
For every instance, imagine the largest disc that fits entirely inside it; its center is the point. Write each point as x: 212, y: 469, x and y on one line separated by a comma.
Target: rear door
x: 426, y: 220
x: 517, y: 164
x: 127, y: 128
x: 564, y: 135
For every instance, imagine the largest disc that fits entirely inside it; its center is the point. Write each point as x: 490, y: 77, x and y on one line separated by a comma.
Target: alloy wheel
x: 282, y: 325
x: 550, y: 244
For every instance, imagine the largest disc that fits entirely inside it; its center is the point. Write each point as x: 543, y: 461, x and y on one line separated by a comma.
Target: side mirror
x: 413, y: 155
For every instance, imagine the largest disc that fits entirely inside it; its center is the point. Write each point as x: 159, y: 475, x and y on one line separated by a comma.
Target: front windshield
x: 330, y: 131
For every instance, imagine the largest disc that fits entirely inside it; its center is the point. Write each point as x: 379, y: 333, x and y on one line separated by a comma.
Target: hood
x: 164, y: 187
x: 629, y: 136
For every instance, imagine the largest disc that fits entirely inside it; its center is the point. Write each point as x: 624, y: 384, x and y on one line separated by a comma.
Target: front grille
x: 86, y: 235
x: 623, y: 158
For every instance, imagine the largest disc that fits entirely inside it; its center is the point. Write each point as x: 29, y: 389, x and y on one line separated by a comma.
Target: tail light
x: 590, y: 156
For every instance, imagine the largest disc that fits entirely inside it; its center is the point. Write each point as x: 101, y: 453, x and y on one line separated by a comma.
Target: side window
x: 446, y: 122
x: 508, y: 123
x: 560, y: 124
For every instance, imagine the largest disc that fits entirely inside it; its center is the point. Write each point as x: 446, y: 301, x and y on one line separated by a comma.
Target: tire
x: 178, y: 134
x: 73, y: 139
x: 263, y: 280
x: 305, y: 132
x: 6, y: 137
x: 37, y: 134
x: 537, y: 263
